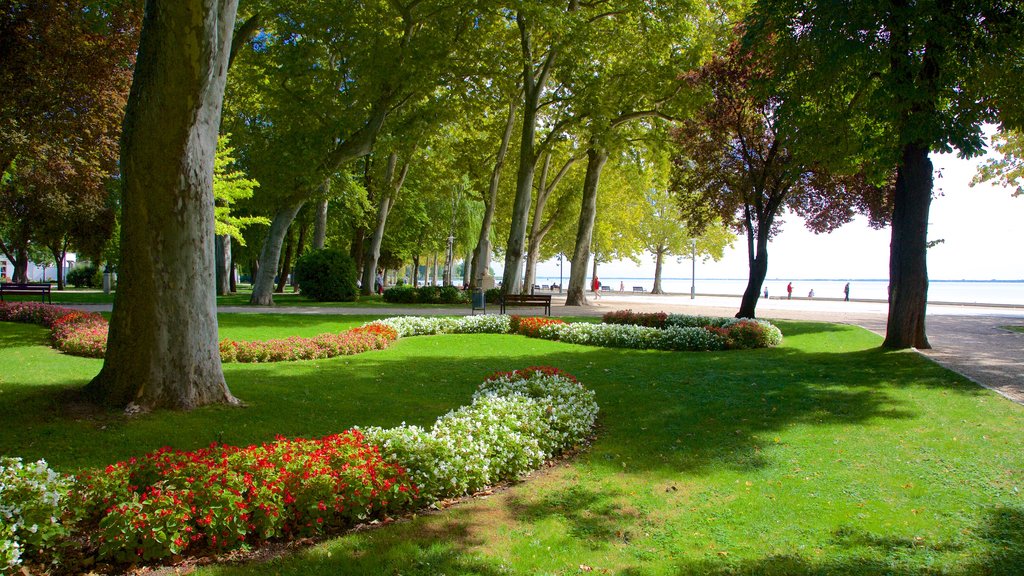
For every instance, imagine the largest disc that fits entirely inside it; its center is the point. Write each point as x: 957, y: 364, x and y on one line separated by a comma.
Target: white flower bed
x: 515, y: 423
x: 32, y: 500
x: 681, y: 332
x: 426, y: 325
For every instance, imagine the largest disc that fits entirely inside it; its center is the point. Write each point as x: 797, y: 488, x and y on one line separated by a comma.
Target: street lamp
x: 559, y: 272
x: 693, y: 276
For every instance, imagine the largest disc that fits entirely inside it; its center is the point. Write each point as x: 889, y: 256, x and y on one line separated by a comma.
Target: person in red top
x: 596, y: 287
x: 789, y: 291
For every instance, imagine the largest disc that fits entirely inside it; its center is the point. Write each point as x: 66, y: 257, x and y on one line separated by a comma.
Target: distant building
x: 38, y: 273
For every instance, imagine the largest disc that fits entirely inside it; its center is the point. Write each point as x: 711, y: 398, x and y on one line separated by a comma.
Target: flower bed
x: 85, y: 334
x: 172, y: 502
x: 517, y: 421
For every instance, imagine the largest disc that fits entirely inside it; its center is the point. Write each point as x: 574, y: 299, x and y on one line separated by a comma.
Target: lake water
x: 980, y: 292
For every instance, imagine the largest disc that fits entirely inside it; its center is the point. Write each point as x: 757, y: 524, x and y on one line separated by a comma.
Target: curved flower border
x: 172, y: 502
x: 85, y: 333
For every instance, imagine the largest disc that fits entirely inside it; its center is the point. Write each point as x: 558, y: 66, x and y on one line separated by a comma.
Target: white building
x: 38, y: 273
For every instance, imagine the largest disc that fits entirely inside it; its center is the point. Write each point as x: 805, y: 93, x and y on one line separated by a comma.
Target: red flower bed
x: 649, y: 319
x: 354, y: 341
x: 530, y: 371
x: 531, y: 325
x: 169, y: 502
x: 85, y: 334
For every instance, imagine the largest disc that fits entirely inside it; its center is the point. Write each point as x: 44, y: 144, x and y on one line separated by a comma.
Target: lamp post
x: 693, y: 276
x: 559, y: 272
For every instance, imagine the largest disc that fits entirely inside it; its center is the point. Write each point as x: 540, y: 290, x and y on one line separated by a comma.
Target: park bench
x: 526, y: 300
x: 43, y: 289
x: 638, y: 288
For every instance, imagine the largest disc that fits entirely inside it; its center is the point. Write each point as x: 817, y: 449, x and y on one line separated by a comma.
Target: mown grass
x: 1015, y: 328
x: 827, y: 455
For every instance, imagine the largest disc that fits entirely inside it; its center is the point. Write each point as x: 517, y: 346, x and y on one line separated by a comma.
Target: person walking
x: 595, y: 285
x: 789, y: 291
x: 846, y: 292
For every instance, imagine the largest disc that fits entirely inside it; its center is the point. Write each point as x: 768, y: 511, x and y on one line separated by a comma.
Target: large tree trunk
x: 415, y: 270
x: 320, y: 224
x: 232, y: 272
x: 388, y: 194
x: 596, y: 158
x: 659, y: 257
x: 757, y: 265
x: 223, y: 264
x: 162, y: 351
x: 270, y: 255
x: 908, y: 270
x: 482, y: 252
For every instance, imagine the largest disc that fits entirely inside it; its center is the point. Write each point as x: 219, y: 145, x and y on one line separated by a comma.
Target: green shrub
x: 492, y: 295
x: 453, y: 295
x: 88, y: 276
x: 327, y: 275
x: 429, y: 294
x: 401, y: 295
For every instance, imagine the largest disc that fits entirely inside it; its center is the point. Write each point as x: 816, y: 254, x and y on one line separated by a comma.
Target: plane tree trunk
x: 270, y: 255
x: 482, y: 252
x: 386, y: 201
x: 162, y: 351
x: 596, y: 159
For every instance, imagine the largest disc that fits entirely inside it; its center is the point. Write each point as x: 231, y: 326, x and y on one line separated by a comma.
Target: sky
x: 982, y: 228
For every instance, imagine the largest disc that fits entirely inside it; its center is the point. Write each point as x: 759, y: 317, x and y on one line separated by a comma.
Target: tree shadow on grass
x: 1001, y: 554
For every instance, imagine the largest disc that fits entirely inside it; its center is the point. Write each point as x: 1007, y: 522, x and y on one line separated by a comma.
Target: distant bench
x: 638, y: 288
x: 526, y: 300
x: 43, y: 289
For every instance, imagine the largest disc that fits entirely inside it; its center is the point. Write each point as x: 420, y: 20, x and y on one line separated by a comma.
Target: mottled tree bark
x: 270, y: 255
x: 320, y: 224
x: 162, y: 351
x: 596, y: 158
x: 908, y: 269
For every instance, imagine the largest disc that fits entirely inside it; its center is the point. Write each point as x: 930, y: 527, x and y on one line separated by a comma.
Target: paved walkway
x: 969, y: 340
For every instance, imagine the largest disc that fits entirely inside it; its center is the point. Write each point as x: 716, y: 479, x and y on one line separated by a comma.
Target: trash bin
x: 479, y: 299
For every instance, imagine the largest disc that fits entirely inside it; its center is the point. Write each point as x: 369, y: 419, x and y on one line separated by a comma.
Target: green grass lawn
x: 1015, y: 328
x: 824, y: 456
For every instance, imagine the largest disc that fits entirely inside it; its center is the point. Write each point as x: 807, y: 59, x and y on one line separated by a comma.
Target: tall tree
x: 895, y: 80
x: 328, y: 75
x: 229, y: 186
x: 738, y: 165
x: 665, y: 233
x: 162, y: 351
x: 65, y: 70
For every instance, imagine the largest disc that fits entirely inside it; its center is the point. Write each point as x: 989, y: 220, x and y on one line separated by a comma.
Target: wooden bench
x: 638, y: 288
x: 526, y: 300
x: 43, y: 289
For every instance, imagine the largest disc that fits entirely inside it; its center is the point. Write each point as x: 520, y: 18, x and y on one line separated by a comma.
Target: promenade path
x: 968, y: 339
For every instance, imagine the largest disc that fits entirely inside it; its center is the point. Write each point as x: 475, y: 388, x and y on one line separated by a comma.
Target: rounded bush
x: 401, y: 295
x: 429, y: 294
x: 327, y: 276
x: 453, y: 295
x: 492, y: 295
x: 85, y: 276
